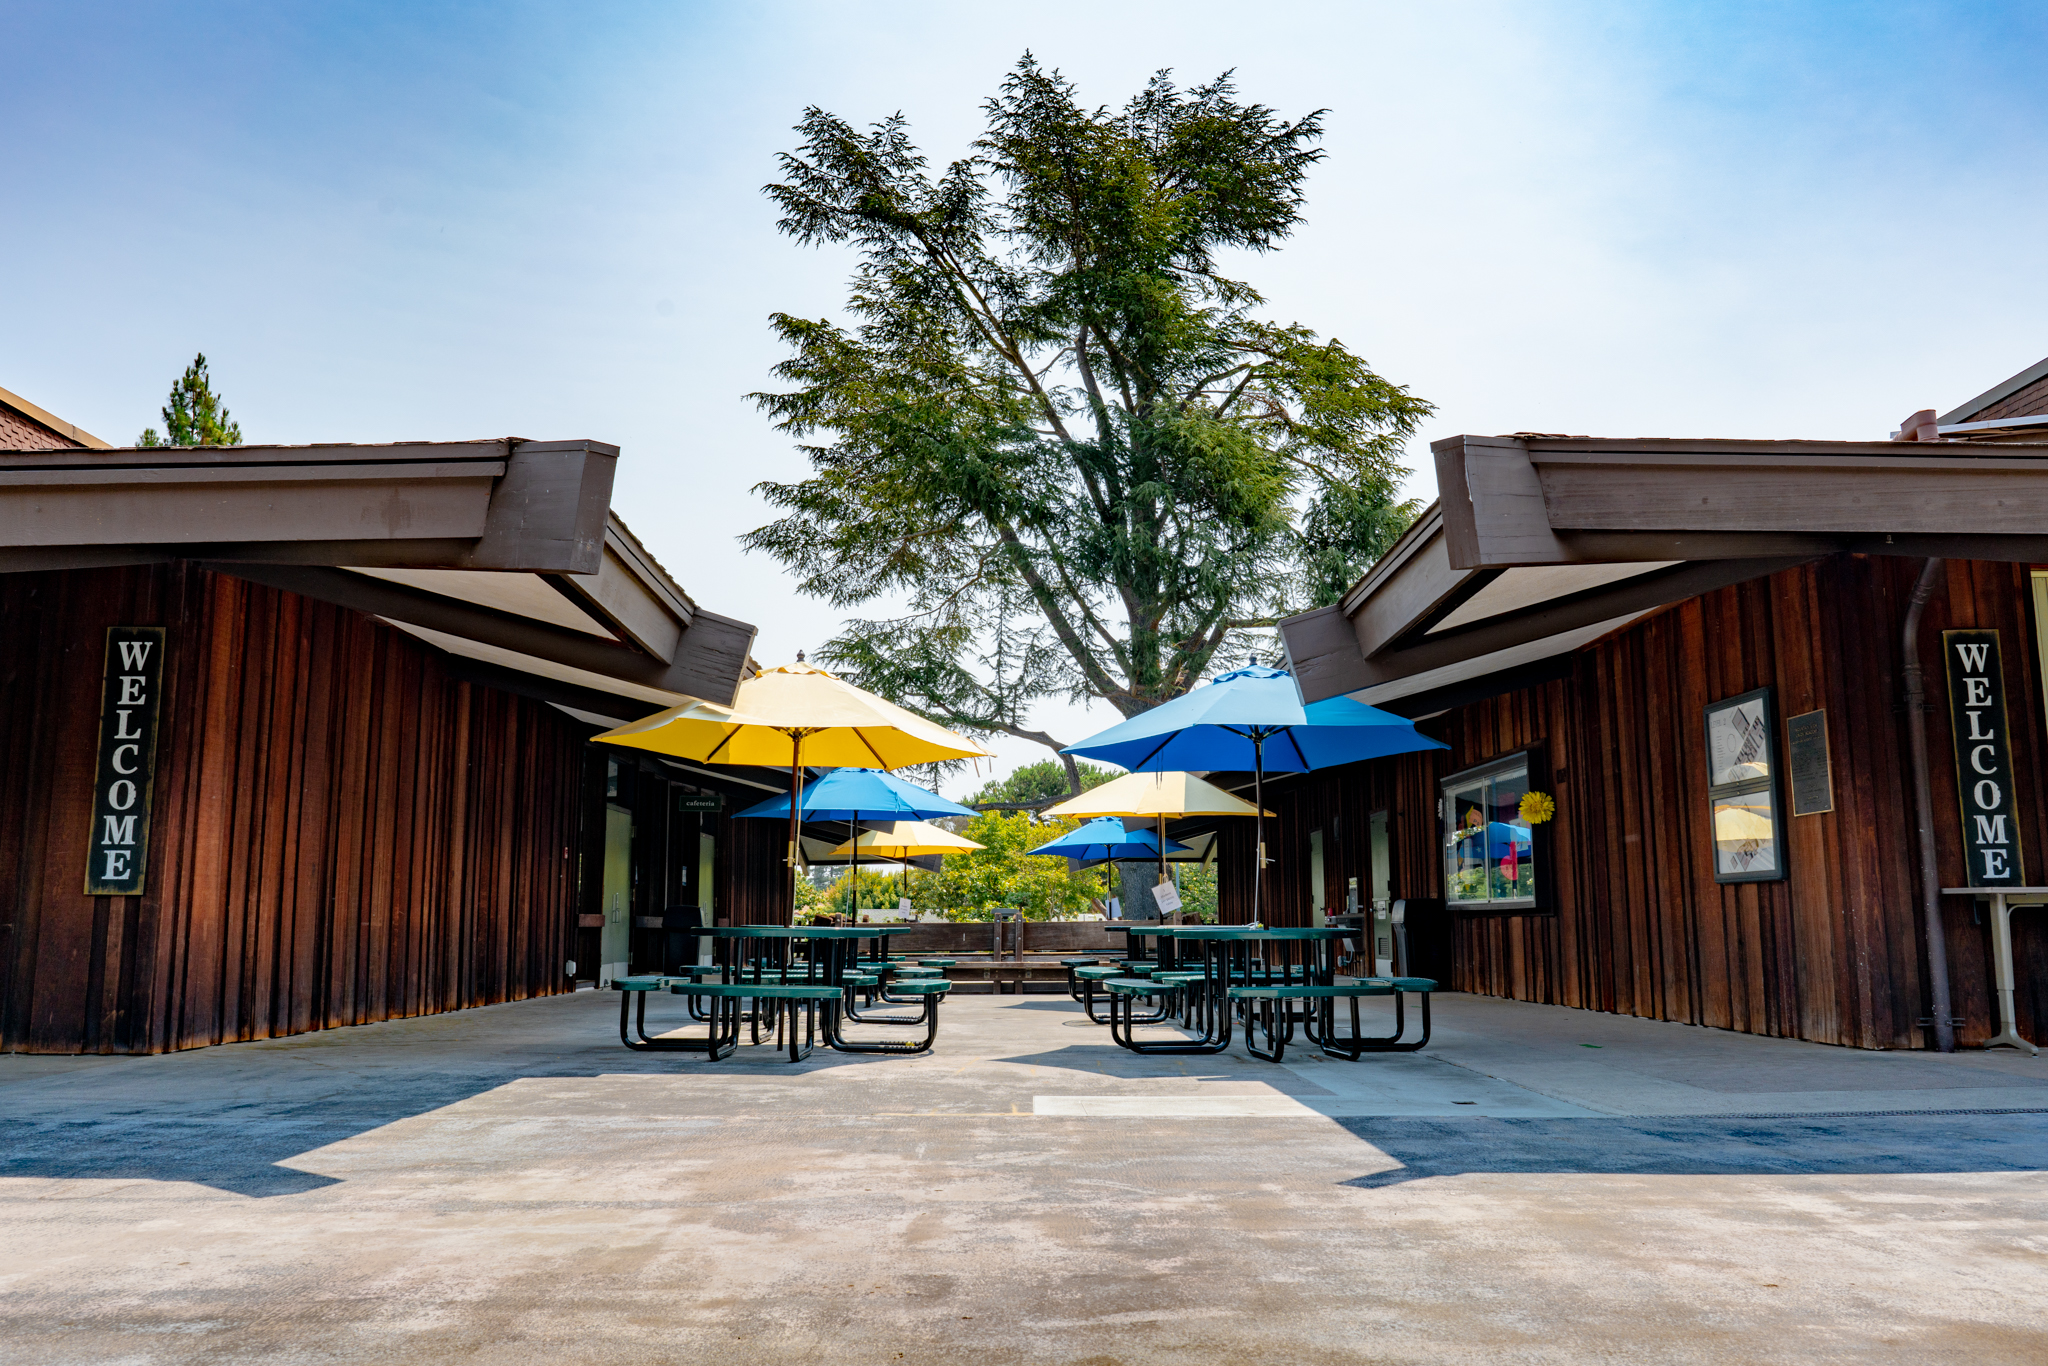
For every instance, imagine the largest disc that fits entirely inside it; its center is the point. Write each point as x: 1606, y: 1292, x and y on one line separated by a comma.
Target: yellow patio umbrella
x: 1157, y: 796
x: 791, y: 716
x: 908, y: 839
x: 905, y: 840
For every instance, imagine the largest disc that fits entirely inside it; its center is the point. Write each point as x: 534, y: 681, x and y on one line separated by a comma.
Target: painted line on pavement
x: 1177, y: 1107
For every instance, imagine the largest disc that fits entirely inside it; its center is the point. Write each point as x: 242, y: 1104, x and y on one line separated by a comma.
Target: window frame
x: 1747, y: 787
x: 1531, y: 763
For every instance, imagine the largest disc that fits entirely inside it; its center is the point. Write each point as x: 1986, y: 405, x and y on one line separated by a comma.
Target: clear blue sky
x: 416, y: 220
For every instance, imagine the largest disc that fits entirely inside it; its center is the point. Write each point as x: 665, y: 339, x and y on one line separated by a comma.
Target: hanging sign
x: 699, y: 801
x: 117, y: 854
x: 1976, y: 705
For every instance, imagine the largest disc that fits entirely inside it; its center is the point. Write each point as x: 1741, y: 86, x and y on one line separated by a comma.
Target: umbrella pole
x: 853, y: 833
x: 1258, y: 821
x: 796, y: 801
x: 1162, y: 854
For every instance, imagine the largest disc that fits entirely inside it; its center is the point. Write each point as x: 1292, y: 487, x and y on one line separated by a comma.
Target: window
x: 1489, y: 850
x: 1742, y: 789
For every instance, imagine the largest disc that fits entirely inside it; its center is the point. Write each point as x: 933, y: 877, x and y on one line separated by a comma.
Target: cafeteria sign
x: 117, y: 855
x: 1976, y: 704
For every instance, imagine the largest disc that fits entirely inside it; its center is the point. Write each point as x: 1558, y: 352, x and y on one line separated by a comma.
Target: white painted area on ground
x: 1274, y: 1106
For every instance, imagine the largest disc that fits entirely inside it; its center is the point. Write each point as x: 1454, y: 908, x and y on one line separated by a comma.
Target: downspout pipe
x: 1923, y: 810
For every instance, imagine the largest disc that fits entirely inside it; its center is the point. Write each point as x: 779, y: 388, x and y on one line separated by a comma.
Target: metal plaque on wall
x: 1813, y: 786
x: 117, y: 857
x: 1976, y: 705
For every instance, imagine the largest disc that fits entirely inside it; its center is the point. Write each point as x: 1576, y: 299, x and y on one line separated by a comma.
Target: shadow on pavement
x: 1692, y: 1146
x: 315, y: 1097
x: 238, y: 1156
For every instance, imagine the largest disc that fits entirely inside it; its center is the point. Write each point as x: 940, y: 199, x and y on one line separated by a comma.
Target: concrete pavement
x: 506, y: 1185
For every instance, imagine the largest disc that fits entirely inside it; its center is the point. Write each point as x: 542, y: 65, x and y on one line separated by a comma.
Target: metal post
x: 1923, y: 803
x: 796, y: 801
x: 1162, y: 854
x: 1258, y: 822
x: 853, y: 833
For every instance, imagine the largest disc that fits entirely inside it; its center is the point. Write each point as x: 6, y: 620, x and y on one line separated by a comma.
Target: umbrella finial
x: 799, y: 656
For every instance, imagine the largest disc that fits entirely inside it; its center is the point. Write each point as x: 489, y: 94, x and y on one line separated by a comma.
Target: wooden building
x: 1699, y: 650
x: 297, y: 736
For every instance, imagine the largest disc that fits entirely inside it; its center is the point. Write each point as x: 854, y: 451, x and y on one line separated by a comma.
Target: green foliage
x: 810, y: 898
x: 876, y: 889
x: 1198, y: 892
x: 1039, y: 782
x: 1055, y: 428
x: 194, y: 416
x: 968, y: 885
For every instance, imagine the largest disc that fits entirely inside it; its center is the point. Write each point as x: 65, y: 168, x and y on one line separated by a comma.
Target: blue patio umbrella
x: 1104, y: 840
x: 1254, y: 718
x: 854, y: 795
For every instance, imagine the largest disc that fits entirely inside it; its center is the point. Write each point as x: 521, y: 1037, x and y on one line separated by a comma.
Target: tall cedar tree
x: 1057, y: 430
x: 195, y: 416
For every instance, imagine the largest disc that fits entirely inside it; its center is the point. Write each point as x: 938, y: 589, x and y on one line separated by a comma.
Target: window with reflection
x: 1489, y: 849
x: 1742, y: 789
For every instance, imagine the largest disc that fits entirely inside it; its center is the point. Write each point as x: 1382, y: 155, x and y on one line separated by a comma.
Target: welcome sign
x: 118, y: 855
x: 1976, y: 703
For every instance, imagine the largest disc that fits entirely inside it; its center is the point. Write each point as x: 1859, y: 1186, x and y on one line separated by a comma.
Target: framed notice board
x: 1742, y: 789
x: 1809, y: 767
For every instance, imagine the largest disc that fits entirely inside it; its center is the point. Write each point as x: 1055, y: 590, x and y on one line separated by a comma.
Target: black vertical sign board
x: 118, y: 853
x: 1976, y: 707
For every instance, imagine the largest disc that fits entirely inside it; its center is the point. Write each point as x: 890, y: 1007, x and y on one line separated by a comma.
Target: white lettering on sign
x: 130, y: 692
x: 1984, y: 764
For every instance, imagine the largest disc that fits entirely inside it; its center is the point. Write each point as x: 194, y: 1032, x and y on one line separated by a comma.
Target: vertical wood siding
x: 343, y: 832
x: 753, y: 876
x: 1834, y: 953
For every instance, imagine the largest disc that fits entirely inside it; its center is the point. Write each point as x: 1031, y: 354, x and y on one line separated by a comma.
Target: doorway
x: 615, y: 938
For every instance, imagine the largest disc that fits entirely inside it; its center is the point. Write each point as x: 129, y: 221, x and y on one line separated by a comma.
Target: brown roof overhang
x: 1668, y: 518
x: 402, y: 531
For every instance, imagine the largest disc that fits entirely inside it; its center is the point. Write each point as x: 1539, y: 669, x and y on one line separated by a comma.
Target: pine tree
x: 195, y: 416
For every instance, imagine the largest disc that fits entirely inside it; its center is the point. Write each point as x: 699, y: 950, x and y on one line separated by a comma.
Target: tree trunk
x: 1134, y: 886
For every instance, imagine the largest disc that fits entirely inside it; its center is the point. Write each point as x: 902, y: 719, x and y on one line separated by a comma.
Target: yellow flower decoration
x: 1537, y: 807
